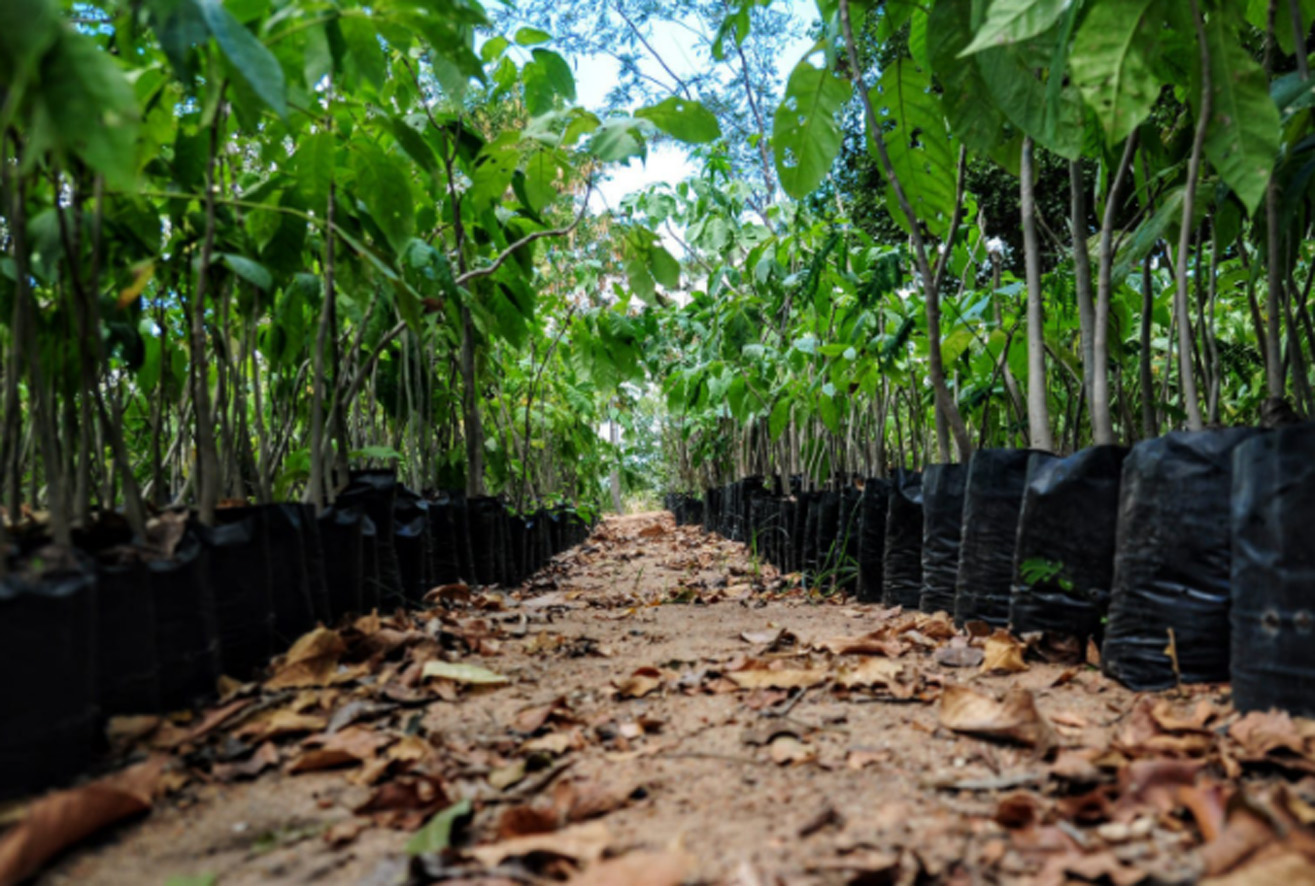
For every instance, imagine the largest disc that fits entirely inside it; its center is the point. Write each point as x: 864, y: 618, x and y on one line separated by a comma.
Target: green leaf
x: 665, y: 268
x: 1012, y: 21
x: 1243, y: 137
x: 532, y: 37
x: 1112, y: 62
x: 617, y: 139
x: 557, y: 72
x: 314, y: 166
x: 363, y: 44
x: 686, y: 120
x: 967, y: 102
x: 414, y: 145
x: 780, y: 417
x: 380, y: 453
x: 253, y: 272
x: 27, y: 30
x: 1018, y: 76
x: 206, y: 879
x: 88, y: 108
x: 436, y: 835
x: 918, y: 145
x: 248, y: 56
x: 382, y: 186
x: 806, y: 134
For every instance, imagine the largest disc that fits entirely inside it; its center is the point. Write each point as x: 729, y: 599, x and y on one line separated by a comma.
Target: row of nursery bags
x: 1187, y: 557
x: 121, y: 629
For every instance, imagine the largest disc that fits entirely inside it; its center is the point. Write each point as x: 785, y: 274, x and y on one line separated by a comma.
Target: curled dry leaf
x: 784, y: 678
x: 639, y: 684
x: 355, y: 744
x: 879, y: 642
x: 460, y: 672
x: 958, y: 654
x: 762, y: 638
x: 1003, y: 654
x: 64, y: 818
x: 1285, y: 867
x: 870, y: 672
x: 1014, y: 718
x: 583, y: 844
x: 312, y: 660
x: 266, y: 755
x: 639, y: 868
x: 786, y: 750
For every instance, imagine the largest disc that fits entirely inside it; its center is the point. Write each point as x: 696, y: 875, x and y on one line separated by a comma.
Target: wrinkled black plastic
x: 517, y: 528
x: 343, y: 545
x: 1172, y: 560
x: 943, y: 488
x: 186, y: 630
x: 317, y: 582
x: 411, y: 542
x: 488, y: 540
x: 283, y: 526
x: 375, y: 491
x: 851, y: 528
x: 810, y: 504
x: 47, y: 700
x: 373, y: 586
x: 992, y: 498
x: 461, y: 526
x: 712, y: 509
x: 237, y: 564
x: 128, y: 667
x: 873, y: 506
x: 1064, y: 557
x: 830, y: 545
x: 1273, y: 572
x: 445, y: 562
x: 901, y: 577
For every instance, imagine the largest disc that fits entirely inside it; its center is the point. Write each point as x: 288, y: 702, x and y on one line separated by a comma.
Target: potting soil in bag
x: 375, y: 491
x: 901, y: 561
x: 48, y: 710
x: 128, y: 667
x: 283, y: 525
x: 942, y: 522
x: 993, y: 496
x: 186, y: 630
x: 488, y: 539
x: 343, y: 545
x: 237, y: 562
x: 1064, y: 557
x: 1273, y: 572
x: 872, y: 507
x: 1172, y: 560
x: 411, y: 541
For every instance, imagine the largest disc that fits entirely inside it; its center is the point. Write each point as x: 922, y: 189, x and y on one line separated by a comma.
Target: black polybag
x: 992, y: 497
x: 1064, y: 556
x: 873, y: 505
x: 411, y: 542
x: 186, y: 629
x: 48, y: 711
x: 343, y: 545
x: 1173, y: 560
x: 488, y: 540
x: 901, y: 561
x: 237, y: 563
x: 284, y: 526
x: 127, y: 663
x: 1273, y: 572
x: 943, y: 488
x: 375, y: 491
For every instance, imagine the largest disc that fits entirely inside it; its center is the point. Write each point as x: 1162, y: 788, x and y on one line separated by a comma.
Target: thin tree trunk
x: 1038, y: 411
x: 1102, y: 421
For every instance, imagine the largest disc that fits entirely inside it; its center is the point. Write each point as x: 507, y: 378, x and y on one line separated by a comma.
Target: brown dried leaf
x: 1287, y: 868
x: 355, y: 744
x: 311, y: 661
x: 278, y: 724
x: 266, y: 755
x: 879, y: 642
x: 643, y: 681
x: 784, y: 678
x: 1013, y: 718
x: 345, y: 832
x: 64, y: 818
x: 958, y: 654
x: 870, y: 672
x: 582, y: 843
x: 639, y: 868
x: 788, y: 750
x: 1003, y: 654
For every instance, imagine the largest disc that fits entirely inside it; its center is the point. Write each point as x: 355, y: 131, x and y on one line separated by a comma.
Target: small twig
x: 784, y: 711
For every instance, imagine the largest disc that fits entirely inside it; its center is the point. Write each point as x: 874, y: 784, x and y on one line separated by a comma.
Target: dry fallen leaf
x: 1003, y: 654
x: 643, y: 681
x: 311, y: 661
x: 1281, y: 867
x: 785, y: 678
x: 459, y: 672
x: 639, y: 868
x: 64, y: 818
x: 870, y: 672
x: 958, y: 654
x: 355, y: 744
x: 788, y: 750
x: 583, y: 843
x: 1014, y: 718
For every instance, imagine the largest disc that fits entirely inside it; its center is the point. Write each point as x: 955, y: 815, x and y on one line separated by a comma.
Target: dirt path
x: 670, y: 705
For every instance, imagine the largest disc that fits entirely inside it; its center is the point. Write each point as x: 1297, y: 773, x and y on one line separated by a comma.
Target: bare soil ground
x: 655, y: 708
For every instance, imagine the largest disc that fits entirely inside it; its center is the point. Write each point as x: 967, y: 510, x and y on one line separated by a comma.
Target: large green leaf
x: 1243, y: 138
x: 1012, y: 21
x: 967, y: 101
x: 1018, y: 77
x: 919, y: 146
x: 88, y: 108
x: 1112, y: 62
x: 1257, y: 13
x: 617, y: 139
x: 27, y: 29
x: 249, y: 58
x: 363, y: 44
x: 806, y: 134
x: 686, y: 120
x: 381, y: 184
x: 314, y: 166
